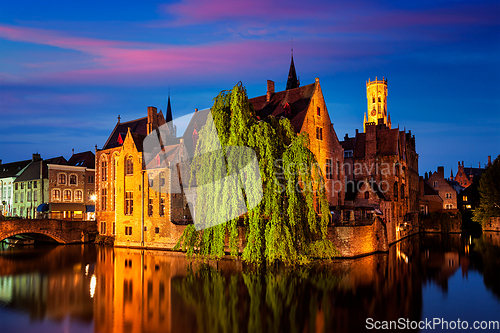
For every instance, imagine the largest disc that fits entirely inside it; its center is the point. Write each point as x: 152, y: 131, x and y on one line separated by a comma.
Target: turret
x: 376, y: 95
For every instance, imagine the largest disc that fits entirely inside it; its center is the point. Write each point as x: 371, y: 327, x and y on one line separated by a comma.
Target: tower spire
x: 168, y: 118
x: 292, y: 81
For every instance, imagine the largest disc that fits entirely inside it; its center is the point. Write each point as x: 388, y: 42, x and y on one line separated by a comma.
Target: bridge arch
x: 52, y: 235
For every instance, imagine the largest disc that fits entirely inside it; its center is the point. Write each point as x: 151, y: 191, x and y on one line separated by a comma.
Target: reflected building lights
x: 93, y: 283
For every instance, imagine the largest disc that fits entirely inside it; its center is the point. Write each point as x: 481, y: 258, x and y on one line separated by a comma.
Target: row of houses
x: 54, y: 187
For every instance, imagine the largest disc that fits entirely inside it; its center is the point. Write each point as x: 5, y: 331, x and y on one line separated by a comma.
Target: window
x: 338, y: 170
x: 464, y: 198
x: 15, y: 186
x: 22, y: 197
x: 162, y: 206
x: 35, y: 196
x: 319, y: 133
x: 347, y: 153
x: 78, y: 195
x: 328, y: 168
x: 103, y: 228
x: 448, y: 195
x: 373, y: 99
x: 449, y: 206
x: 162, y: 179
x: 56, y: 195
x: 367, y: 195
x: 128, y: 231
x: 150, y: 207
x: 402, y: 191
x: 318, y: 111
x: 396, y: 169
x: 104, y: 170
x: 62, y: 178
x: 129, y: 203
x: 15, y: 197
x: 22, y: 186
x: 91, y: 179
x: 90, y: 194
x: 28, y: 196
x: 114, y: 228
x: 157, y: 230
x: 29, y: 185
x: 104, y: 199
x: 35, y: 184
x: 395, y: 191
x: 151, y: 181
x: 436, y: 184
x: 72, y: 179
x: 129, y: 166
x: 67, y: 195
x: 379, y: 100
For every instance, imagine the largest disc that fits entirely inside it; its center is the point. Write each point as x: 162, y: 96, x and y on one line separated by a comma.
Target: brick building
x: 71, y: 188
x: 386, y: 159
x: 465, y: 175
x: 8, y: 174
x: 446, y: 192
x: 135, y: 202
x: 306, y: 108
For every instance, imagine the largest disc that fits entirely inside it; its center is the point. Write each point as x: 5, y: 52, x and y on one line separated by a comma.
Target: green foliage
x: 489, y: 190
x: 293, y: 213
x: 104, y: 240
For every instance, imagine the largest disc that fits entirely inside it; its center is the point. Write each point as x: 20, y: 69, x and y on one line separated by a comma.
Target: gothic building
x: 381, y: 168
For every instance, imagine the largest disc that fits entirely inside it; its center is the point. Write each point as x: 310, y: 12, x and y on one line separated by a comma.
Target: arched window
x: 67, y: 195
x: 129, y: 166
x: 62, y: 178
x: 104, y: 169
x: 72, y: 179
x: 379, y: 100
x: 56, y: 195
x: 78, y: 195
x: 395, y: 191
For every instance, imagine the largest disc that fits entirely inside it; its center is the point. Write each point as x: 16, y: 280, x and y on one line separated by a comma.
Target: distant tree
x: 489, y: 190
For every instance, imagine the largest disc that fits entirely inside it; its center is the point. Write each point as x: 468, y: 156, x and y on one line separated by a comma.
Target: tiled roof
x: 139, y: 126
x: 298, y: 99
x: 387, y: 142
x: 428, y: 190
x: 84, y: 159
x: 11, y: 169
x: 476, y: 172
x: 33, y: 170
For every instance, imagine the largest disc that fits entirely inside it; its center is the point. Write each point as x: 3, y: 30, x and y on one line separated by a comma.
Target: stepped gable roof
x: 197, y: 121
x: 32, y: 172
x: 139, y: 126
x: 11, y: 169
x: 298, y: 99
x: 84, y: 159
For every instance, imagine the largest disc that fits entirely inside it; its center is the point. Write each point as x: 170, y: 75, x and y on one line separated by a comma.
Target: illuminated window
x: 162, y: 206
x: 464, y: 198
x: 78, y: 195
x: 56, y: 195
x: 328, y: 168
x: 67, y: 195
x: 319, y: 133
x: 129, y: 203
x: 104, y: 199
x: 104, y: 170
x: 62, y: 178
x: 129, y: 166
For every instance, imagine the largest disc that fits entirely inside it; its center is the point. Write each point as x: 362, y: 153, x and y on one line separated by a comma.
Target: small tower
x: 292, y: 81
x: 376, y: 95
x: 169, y: 119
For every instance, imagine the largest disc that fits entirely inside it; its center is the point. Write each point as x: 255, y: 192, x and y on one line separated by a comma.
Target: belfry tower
x: 376, y: 95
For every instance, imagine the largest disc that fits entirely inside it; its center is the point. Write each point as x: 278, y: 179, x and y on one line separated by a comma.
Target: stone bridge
x: 62, y: 231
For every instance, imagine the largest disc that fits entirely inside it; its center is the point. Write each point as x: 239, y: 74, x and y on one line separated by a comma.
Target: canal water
x: 87, y: 288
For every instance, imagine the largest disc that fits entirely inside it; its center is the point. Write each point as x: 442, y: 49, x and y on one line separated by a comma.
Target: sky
x: 69, y: 68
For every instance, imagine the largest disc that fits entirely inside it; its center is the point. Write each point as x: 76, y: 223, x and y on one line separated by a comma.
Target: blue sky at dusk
x: 68, y: 69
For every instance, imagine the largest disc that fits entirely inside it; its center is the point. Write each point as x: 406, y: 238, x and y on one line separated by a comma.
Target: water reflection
x: 129, y: 290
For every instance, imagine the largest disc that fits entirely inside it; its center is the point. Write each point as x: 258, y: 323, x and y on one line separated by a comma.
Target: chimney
x: 73, y: 151
x: 0, y: 161
x: 346, y: 136
x: 195, y: 110
x: 152, y: 119
x: 270, y: 90
x: 440, y: 172
x: 36, y: 157
x: 462, y: 164
x: 489, y: 160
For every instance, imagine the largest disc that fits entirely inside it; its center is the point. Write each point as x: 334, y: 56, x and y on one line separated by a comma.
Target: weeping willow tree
x: 289, y: 224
